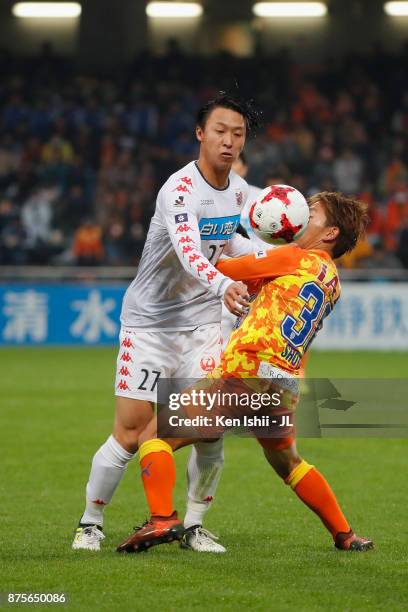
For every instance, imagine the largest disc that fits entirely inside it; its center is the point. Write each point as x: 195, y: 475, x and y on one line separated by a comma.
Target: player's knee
x: 143, y: 436
x: 212, y: 450
x: 128, y: 438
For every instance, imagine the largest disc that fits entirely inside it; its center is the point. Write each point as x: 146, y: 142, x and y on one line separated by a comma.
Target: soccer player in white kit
x: 171, y: 313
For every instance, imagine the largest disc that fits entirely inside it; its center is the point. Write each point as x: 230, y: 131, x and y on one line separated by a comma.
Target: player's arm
x: 183, y: 229
x: 239, y: 246
x: 273, y: 263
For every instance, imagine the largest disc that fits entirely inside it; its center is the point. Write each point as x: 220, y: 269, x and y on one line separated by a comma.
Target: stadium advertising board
x: 60, y: 314
x: 368, y: 316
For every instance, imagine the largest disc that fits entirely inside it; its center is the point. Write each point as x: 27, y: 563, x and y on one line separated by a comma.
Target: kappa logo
x: 207, y: 363
x: 182, y: 188
x: 126, y: 357
x: 201, y: 267
x: 183, y: 228
x: 123, y: 386
x: 187, y: 180
x: 211, y: 275
x: 124, y: 371
x: 128, y: 343
x: 185, y: 239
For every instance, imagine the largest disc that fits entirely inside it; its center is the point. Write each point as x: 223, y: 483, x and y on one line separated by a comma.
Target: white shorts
x: 144, y: 357
x: 228, y: 322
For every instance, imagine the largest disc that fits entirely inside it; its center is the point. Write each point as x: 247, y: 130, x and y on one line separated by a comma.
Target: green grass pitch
x: 57, y: 408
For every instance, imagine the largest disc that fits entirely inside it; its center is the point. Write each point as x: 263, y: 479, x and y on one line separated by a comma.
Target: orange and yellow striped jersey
x: 295, y: 289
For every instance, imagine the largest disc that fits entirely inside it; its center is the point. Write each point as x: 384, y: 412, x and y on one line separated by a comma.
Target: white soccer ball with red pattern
x: 280, y: 214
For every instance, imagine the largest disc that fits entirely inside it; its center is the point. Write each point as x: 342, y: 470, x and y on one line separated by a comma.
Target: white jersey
x: 177, y: 285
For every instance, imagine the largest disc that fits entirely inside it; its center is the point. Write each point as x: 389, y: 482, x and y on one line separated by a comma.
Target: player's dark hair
x: 239, y: 105
x: 346, y: 213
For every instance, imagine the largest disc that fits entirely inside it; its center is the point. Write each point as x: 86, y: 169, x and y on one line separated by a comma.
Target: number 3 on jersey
x: 310, y: 313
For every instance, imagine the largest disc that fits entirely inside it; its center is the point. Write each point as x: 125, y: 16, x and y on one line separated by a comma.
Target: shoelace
x: 141, y: 526
x: 205, y: 533
x: 95, y: 532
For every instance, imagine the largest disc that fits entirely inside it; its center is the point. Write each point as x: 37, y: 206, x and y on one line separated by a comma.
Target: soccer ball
x: 279, y: 215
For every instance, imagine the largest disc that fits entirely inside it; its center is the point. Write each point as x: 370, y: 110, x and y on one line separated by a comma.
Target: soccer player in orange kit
x: 296, y: 286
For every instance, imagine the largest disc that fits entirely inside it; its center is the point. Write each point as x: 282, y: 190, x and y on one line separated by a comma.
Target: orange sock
x: 158, y: 476
x: 314, y: 490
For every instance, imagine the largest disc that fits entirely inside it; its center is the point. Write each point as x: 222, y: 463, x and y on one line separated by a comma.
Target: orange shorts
x: 245, y: 406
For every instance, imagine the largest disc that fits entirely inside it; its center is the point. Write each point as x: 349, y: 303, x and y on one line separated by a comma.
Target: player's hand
x: 236, y: 298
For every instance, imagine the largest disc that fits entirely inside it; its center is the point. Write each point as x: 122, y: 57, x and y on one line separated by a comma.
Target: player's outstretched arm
x: 263, y: 265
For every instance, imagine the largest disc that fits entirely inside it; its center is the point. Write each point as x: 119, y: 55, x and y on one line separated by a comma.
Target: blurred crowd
x: 82, y: 157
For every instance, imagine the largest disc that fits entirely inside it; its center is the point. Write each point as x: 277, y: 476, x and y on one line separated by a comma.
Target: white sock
x: 108, y: 466
x: 203, y: 473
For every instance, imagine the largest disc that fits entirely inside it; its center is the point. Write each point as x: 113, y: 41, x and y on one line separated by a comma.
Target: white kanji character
x: 93, y: 319
x: 27, y: 312
x: 228, y: 227
x: 208, y: 229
